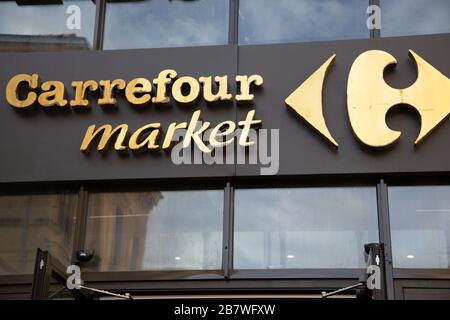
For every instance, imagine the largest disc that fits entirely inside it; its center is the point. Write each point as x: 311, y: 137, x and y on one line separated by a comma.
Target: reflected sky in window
x: 414, y: 17
x: 420, y: 226
x: 268, y: 21
x: 47, y: 20
x: 303, y: 228
x: 184, y: 231
x: 164, y: 23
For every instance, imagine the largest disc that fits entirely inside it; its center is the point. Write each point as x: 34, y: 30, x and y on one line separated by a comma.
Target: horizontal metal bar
x: 416, y: 274
x: 297, y: 274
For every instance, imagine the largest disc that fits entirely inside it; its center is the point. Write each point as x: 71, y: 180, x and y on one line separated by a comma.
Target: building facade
x: 329, y: 126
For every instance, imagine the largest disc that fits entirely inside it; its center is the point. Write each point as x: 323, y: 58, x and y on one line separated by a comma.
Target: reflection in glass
x: 47, y: 27
x: 420, y: 226
x: 170, y: 230
x: 303, y: 228
x: 282, y: 21
x: 27, y: 222
x: 163, y: 23
x: 414, y: 17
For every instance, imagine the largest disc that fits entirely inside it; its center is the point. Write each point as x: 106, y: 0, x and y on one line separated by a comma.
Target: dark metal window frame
x: 256, y: 279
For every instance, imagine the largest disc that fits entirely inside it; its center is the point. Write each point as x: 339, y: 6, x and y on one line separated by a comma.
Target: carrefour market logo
x: 369, y: 98
x: 24, y: 91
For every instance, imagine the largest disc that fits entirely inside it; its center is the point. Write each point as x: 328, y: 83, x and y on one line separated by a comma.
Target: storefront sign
x: 103, y: 115
x: 369, y: 99
x: 138, y: 92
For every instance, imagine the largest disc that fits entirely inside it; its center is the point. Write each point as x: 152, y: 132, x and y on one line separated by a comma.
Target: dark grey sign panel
x: 44, y: 146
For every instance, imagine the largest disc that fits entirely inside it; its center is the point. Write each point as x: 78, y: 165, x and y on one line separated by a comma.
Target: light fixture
x: 410, y: 256
x: 177, y: 258
x: 290, y: 256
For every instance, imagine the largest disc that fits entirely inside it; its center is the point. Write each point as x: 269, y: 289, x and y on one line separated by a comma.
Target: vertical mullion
x: 100, y: 10
x: 233, y: 21
x: 80, y: 222
x: 385, y: 236
x: 227, y: 249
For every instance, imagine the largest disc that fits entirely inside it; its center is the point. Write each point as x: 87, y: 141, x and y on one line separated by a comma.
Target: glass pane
x: 163, y: 23
x: 268, y: 21
x: 47, y: 27
x: 31, y: 221
x: 155, y: 230
x: 420, y: 226
x: 414, y: 17
x: 304, y: 228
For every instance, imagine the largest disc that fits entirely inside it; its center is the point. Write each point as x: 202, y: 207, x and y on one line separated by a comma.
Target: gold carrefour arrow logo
x: 369, y: 98
x: 306, y: 100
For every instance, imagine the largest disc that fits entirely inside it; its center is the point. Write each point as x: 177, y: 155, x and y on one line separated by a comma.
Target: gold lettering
x: 164, y: 78
x: 53, y: 94
x: 246, y: 125
x: 170, y: 132
x: 108, y: 88
x: 194, y: 90
x: 12, y: 90
x: 138, y: 85
x: 106, y: 131
x: 222, y: 92
x: 150, y: 141
x: 216, y: 132
x: 245, y: 84
x: 193, y: 134
x: 80, y: 92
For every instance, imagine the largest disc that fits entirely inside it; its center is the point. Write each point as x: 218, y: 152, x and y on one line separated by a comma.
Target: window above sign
x: 414, y: 17
x: 163, y: 23
x: 41, y: 26
x: 57, y: 25
x: 283, y: 21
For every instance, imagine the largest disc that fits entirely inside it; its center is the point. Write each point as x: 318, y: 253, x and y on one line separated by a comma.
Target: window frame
x: 306, y: 272
x: 154, y: 187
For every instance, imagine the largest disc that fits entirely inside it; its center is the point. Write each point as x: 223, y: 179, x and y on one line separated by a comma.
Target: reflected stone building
x: 117, y: 226
x: 32, y: 43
